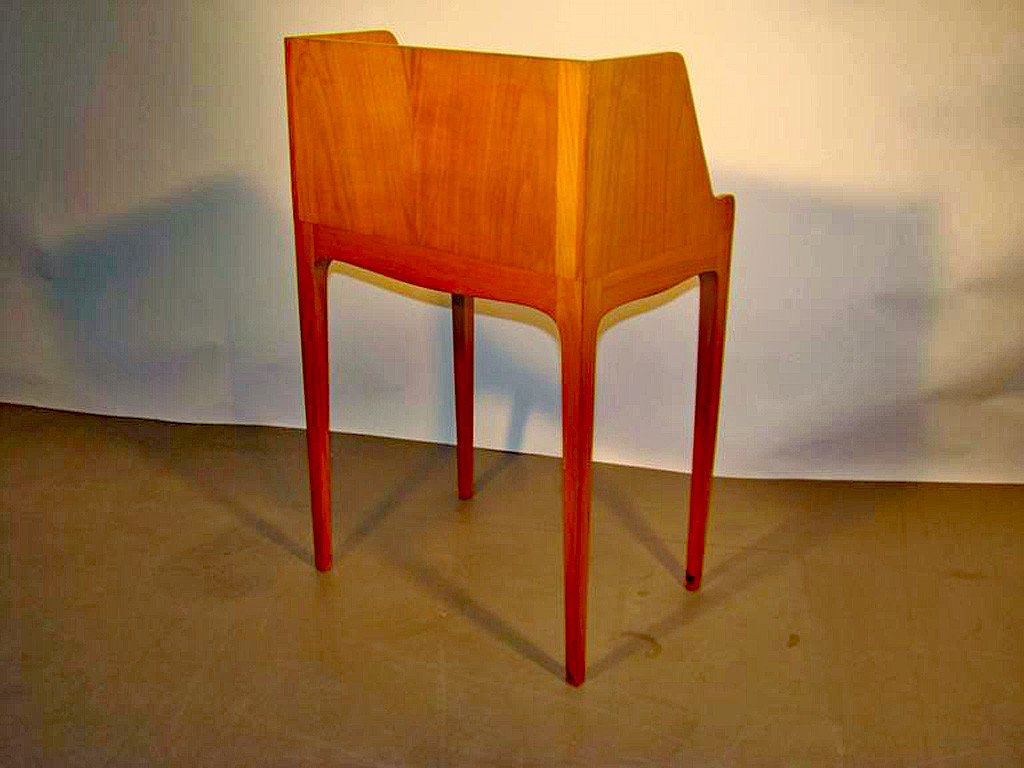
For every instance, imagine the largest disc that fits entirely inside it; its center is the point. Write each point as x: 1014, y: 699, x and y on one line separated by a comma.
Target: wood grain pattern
x: 569, y: 186
x: 570, y: 159
x: 648, y: 190
x: 353, y: 154
x: 484, y: 149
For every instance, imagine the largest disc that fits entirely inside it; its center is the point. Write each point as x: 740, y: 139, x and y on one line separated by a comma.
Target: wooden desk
x: 569, y: 186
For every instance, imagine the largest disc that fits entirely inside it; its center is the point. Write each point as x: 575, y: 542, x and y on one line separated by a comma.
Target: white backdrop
x: 876, y: 151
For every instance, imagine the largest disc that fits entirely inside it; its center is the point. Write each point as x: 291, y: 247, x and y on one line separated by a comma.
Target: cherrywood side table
x: 568, y: 186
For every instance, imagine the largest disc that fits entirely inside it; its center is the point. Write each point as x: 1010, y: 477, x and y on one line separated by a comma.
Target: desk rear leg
x: 714, y: 290
x: 578, y: 348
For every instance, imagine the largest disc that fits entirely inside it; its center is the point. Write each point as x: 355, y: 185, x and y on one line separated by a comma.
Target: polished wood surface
x: 312, y: 279
x: 569, y: 186
x: 462, y: 356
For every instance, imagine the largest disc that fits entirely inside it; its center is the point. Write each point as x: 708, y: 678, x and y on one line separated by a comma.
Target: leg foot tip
x: 692, y: 582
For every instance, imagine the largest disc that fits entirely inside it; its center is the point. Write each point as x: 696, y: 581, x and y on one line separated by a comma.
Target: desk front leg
x: 312, y: 279
x: 714, y: 294
x: 579, y: 348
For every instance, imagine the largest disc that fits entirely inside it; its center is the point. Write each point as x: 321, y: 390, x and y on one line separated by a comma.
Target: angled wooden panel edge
x: 437, y: 270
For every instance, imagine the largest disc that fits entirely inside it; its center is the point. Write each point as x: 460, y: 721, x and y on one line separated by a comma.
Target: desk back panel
x: 448, y: 150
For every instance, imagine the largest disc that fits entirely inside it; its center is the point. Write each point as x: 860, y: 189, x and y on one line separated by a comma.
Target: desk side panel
x: 648, y: 193
x: 351, y: 137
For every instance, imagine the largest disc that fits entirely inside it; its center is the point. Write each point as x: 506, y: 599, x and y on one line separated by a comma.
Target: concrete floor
x: 159, y: 607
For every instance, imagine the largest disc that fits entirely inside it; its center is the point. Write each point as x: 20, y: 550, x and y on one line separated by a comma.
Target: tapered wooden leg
x: 714, y: 291
x: 579, y: 346
x: 313, y: 330
x: 462, y: 341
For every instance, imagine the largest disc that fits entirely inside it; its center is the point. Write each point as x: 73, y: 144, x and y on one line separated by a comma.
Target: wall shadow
x: 186, y: 308
x: 832, y: 306
x: 1001, y: 371
x: 183, y: 306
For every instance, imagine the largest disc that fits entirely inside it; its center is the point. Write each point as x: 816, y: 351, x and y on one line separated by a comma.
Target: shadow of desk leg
x: 312, y: 279
x: 578, y: 349
x: 462, y: 354
x: 714, y: 294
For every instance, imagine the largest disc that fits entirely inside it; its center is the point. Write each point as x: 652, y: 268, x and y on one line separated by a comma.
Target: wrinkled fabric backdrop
x: 876, y: 151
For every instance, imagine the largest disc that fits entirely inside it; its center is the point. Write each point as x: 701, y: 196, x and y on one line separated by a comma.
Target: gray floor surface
x: 159, y: 607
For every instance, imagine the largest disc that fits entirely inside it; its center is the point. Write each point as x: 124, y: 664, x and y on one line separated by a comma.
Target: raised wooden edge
x: 387, y: 37
x: 363, y: 36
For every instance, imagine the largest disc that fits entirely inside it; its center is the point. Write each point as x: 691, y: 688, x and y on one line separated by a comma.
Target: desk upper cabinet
x: 569, y: 186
